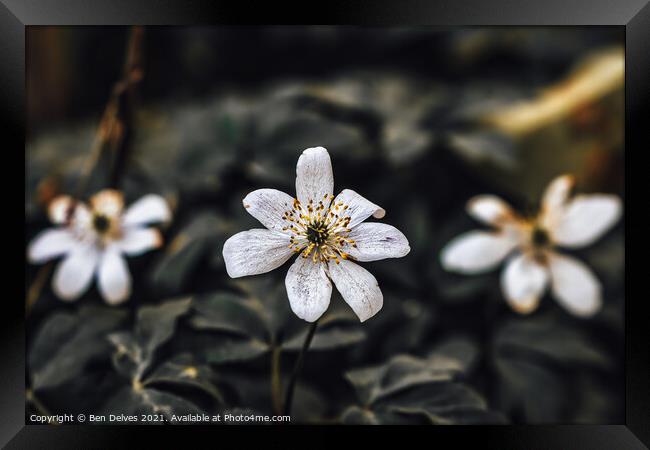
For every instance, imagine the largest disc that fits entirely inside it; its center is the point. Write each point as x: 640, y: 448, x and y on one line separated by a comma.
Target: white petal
x: 377, y: 241
x: 523, y: 282
x: 74, y: 274
x: 557, y: 193
x: 51, y: 243
x: 476, y: 251
x: 574, y: 285
x: 554, y: 199
x: 108, y: 202
x: 114, y: 276
x: 64, y: 208
x: 585, y: 219
x: 135, y: 240
x: 358, y: 287
x: 149, y: 209
x: 59, y: 208
x: 314, y: 178
x: 82, y: 218
x: 490, y: 210
x: 255, y: 251
x: 358, y: 208
x: 308, y: 288
x: 268, y: 206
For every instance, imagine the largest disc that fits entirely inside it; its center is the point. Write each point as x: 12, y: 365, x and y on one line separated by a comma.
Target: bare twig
x: 125, y: 97
x: 116, y: 127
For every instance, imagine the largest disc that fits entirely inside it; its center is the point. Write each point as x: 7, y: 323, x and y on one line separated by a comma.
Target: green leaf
x: 183, y: 371
x: 270, y: 292
x: 336, y: 329
x: 534, y: 389
x: 327, y: 339
x: 295, y: 121
x: 415, y: 390
x: 127, y: 356
x: 191, y: 145
x: 67, y: 342
x: 203, y: 235
x: 246, y: 325
x: 129, y: 401
x: 552, y: 339
x: 400, y: 327
x: 155, y: 326
x: 229, y: 350
x: 228, y: 312
x: 535, y: 359
x: 607, y: 259
x: 442, y: 404
x: 460, y: 349
x: 597, y: 402
x: 237, y: 326
x: 355, y: 415
x: 253, y: 390
x: 400, y: 373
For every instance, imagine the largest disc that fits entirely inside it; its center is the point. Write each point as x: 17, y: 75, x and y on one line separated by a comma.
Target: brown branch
x: 125, y: 99
x: 115, y: 127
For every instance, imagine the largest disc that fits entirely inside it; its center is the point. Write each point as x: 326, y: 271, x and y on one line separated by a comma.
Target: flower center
x: 101, y: 223
x: 319, y: 229
x: 317, y: 233
x: 539, y: 237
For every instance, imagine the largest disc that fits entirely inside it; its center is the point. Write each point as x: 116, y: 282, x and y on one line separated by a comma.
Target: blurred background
x: 418, y: 120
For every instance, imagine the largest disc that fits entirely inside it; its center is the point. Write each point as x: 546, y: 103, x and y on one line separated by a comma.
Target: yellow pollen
x: 317, y: 231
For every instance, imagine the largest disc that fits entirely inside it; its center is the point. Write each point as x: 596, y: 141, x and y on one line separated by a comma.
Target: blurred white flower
x: 92, y: 239
x: 327, y: 233
x: 534, y: 262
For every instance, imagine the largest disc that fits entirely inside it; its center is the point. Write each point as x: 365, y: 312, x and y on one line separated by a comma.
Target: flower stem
x: 34, y: 291
x: 297, y: 369
x: 31, y: 398
x: 276, y: 383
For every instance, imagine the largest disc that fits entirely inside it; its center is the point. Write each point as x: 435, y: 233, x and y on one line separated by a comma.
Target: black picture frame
x: 633, y: 15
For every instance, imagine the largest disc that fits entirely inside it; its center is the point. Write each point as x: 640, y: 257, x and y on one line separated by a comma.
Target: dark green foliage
x: 445, y: 348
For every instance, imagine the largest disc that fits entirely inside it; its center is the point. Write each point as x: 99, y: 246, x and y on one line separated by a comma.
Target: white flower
x: 92, y: 239
x: 534, y: 262
x: 327, y: 233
